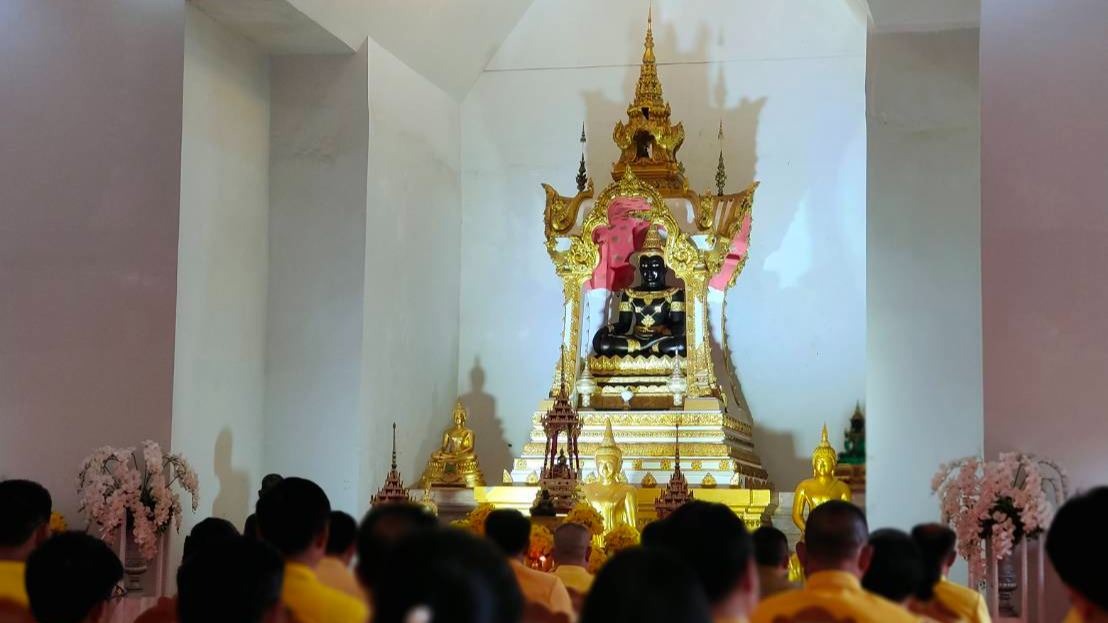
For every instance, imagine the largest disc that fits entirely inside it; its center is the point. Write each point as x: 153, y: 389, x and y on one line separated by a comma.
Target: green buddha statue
x: 651, y: 316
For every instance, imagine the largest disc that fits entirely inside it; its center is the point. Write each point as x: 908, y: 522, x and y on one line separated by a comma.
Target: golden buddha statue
x: 822, y: 487
x: 454, y: 464
x: 614, y: 500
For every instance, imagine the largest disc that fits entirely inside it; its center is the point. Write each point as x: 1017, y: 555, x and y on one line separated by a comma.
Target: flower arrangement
x: 57, y: 523
x: 597, y: 558
x: 542, y: 543
x: 119, y: 486
x: 620, y: 538
x: 476, y: 518
x: 997, y: 502
x: 586, y: 516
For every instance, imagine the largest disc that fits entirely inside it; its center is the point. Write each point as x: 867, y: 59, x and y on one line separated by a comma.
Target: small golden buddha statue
x: 454, y: 464
x: 822, y: 487
x: 614, y: 500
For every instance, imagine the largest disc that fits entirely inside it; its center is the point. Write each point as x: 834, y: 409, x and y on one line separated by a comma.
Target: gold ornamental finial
x: 648, y: 91
x: 648, y: 52
x: 825, y: 450
x: 608, y: 445
x: 394, y: 445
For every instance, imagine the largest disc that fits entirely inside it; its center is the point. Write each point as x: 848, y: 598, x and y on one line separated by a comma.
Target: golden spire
x: 608, y: 445
x: 652, y: 244
x: 825, y: 450
x: 648, y: 91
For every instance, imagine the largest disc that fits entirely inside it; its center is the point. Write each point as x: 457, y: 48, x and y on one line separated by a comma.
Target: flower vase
x: 134, y: 565
x: 1008, y: 584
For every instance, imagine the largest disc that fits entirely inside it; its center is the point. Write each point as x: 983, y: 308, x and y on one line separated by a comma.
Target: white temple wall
x: 90, y: 154
x: 413, y: 220
x: 787, y: 81
x: 923, y: 378
x: 223, y: 256
x: 317, y: 238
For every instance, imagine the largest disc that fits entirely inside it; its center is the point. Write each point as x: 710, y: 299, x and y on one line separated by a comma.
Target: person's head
x: 937, y: 544
x: 238, y: 582
x: 571, y: 544
x: 771, y: 548
x: 340, y: 541
x: 24, y: 518
x: 446, y: 575
x: 268, y: 482
x: 250, y: 528
x: 210, y: 533
x: 652, y: 533
x: 70, y: 578
x: 381, y: 529
x: 293, y: 517
x: 646, y: 585
x: 896, y: 568
x: 1077, y: 537
x: 835, y: 539
x: 713, y: 542
x: 509, y: 530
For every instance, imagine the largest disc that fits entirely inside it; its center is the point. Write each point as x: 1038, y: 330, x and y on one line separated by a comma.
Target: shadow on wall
x: 233, y: 500
x: 493, y: 450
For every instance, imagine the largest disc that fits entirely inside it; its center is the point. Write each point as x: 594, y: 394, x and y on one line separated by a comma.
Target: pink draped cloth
x: 739, y: 247
x: 618, y: 241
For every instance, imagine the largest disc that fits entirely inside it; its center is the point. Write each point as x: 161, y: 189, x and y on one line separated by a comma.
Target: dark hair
x: 69, y: 575
x: 896, y: 569
x: 936, y: 543
x: 250, y: 528
x: 210, y: 533
x: 293, y: 514
x: 26, y: 507
x: 571, y: 542
x: 771, y: 547
x: 713, y: 542
x: 457, y: 577
x: 343, y: 531
x: 1076, y: 537
x: 646, y: 585
x: 381, y: 529
x: 237, y: 582
x: 652, y: 532
x: 509, y: 530
x: 835, y: 531
x: 268, y: 482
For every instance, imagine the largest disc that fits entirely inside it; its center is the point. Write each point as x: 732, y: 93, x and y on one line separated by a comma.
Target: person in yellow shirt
x: 714, y: 543
x: 1076, y: 544
x: 334, y: 569
x: 24, y: 524
x: 835, y: 554
x: 293, y: 517
x: 239, y: 581
x: 71, y: 578
x: 509, y: 530
x: 571, y: 554
x: 771, y: 553
x: 937, y: 544
x: 896, y: 572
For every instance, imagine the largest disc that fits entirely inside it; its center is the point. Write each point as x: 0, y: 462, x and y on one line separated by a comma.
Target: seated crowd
x: 300, y: 561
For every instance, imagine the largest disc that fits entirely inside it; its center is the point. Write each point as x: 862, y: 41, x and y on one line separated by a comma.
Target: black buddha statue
x: 651, y: 316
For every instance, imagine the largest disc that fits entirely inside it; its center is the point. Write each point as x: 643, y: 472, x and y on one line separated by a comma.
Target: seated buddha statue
x: 652, y: 316
x: 455, y: 462
x: 614, y: 500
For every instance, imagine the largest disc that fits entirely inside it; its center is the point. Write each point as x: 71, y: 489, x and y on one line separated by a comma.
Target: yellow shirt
x: 1073, y: 617
x: 12, y: 587
x: 334, y: 573
x: 965, y: 601
x: 545, y: 589
x: 832, y: 594
x: 313, y: 602
x: 574, y: 577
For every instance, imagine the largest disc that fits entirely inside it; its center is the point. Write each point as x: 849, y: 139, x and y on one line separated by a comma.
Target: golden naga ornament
x: 616, y: 501
x: 454, y: 464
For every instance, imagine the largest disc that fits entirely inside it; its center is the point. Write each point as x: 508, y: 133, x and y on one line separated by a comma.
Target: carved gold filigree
x: 652, y: 449
x: 665, y: 419
x: 561, y: 212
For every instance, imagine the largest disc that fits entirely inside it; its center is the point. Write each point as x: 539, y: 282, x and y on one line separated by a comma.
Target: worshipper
x: 250, y: 529
x: 511, y: 532
x: 771, y: 553
x: 1076, y: 544
x: 293, y: 517
x: 334, y: 569
x: 646, y: 585
x: 571, y: 555
x: 835, y: 554
x: 24, y: 525
x: 71, y: 578
x: 938, y: 597
x: 714, y: 543
x: 895, y: 570
x: 380, y: 531
x: 445, y: 575
x: 238, y: 582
